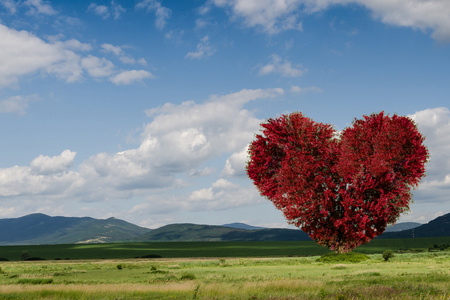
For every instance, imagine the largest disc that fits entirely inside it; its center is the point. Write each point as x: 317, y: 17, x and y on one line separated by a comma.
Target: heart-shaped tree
x: 342, y: 189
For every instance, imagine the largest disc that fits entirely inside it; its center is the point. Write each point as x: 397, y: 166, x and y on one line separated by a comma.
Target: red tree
x: 341, y: 189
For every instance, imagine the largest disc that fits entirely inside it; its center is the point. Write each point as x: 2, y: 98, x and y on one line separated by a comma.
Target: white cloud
x: 97, y: 67
x: 282, y: 67
x: 105, y: 12
x: 434, y: 124
x: 179, y: 139
x: 22, y: 53
x: 39, y: 7
x: 127, y: 77
x: 162, y: 13
x: 299, y: 90
x: 222, y: 194
x: 235, y: 164
x: 10, y: 5
x: 203, y: 49
x: 56, y: 164
x: 274, y: 16
x: 16, y: 104
x: 117, y: 10
x: 118, y: 51
x: 100, y: 10
x: 74, y: 45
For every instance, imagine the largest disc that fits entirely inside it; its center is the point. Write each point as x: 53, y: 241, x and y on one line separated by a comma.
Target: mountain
x: 435, y: 228
x: 242, y: 226
x: 194, y: 232
x: 402, y: 226
x: 42, y: 229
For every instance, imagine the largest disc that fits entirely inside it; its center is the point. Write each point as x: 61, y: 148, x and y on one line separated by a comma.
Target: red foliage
x: 341, y: 189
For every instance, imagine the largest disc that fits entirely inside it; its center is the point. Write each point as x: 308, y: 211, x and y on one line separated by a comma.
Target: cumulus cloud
x: 105, y: 11
x: 203, y: 49
x: 16, y: 104
x: 299, y: 90
x: 434, y: 124
x: 39, y: 7
x: 162, y: 13
x: 223, y: 194
x: 113, y: 49
x: 100, y: 10
x: 97, y: 67
x: 274, y: 16
x: 118, y: 51
x: 235, y: 164
x: 117, y: 10
x: 127, y: 77
x: 179, y: 141
x: 282, y: 67
x: 56, y: 164
x: 22, y: 54
x: 9, y: 5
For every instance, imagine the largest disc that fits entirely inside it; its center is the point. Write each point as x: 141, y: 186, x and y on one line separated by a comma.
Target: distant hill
x: 42, y: 229
x: 242, y: 226
x: 435, y: 228
x: 402, y: 226
x: 193, y: 232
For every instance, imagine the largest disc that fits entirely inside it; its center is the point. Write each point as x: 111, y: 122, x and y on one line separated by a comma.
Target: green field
x: 224, y: 270
x: 406, y: 276
x: 206, y: 249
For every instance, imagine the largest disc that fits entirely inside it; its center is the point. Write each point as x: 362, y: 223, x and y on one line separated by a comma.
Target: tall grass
x: 405, y: 276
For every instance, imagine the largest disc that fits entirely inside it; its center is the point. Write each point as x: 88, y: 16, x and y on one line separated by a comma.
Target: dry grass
x: 102, y: 288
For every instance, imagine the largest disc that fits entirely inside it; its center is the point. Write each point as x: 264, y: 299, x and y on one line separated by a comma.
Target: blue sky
x: 143, y: 110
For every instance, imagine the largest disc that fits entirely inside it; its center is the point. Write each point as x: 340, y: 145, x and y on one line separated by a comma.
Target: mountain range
x: 42, y: 229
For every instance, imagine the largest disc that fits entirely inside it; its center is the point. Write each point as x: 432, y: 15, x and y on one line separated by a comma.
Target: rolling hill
x: 435, y: 228
x: 37, y: 229
x: 194, y: 232
x: 402, y: 226
x: 42, y: 229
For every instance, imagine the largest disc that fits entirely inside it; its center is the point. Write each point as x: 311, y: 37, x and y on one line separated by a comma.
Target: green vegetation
x: 43, y: 229
x: 351, y: 257
x: 422, y: 275
x: 388, y: 254
x: 207, y: 249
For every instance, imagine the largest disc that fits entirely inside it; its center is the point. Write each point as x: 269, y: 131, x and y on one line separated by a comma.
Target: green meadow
x: 225, y: 270
x: 405, y: 276
x: 206, y: 249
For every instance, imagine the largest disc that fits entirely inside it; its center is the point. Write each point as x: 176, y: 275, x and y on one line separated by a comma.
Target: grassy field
x: 423, y: 275
x: 205, y: 249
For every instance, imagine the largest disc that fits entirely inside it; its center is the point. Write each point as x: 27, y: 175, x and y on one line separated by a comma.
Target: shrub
x: 187, y: 276
x: 120, y: 266
x: 351, y: 257
x: 35, y: 281
x: 437, y: 247
x: 3, y: 259
x: 24, y: 255
x: 34, y: 258
x: 388, y: 254
x: 151, y: 256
